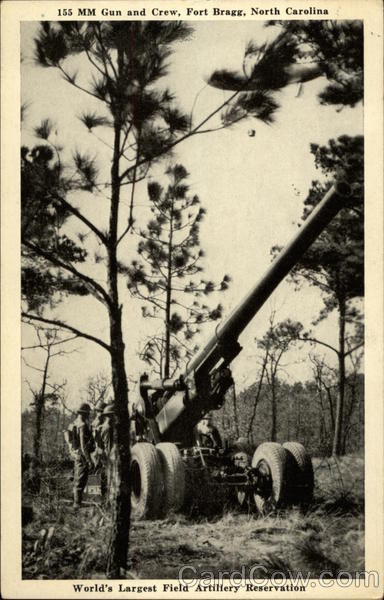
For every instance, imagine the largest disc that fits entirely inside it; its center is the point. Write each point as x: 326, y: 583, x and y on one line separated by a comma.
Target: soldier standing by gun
x: 108, y: 444
x: 96, y: 433
x: 81, y: 444
x: 98, y: 456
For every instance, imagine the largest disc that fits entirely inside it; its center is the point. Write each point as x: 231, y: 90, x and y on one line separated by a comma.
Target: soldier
x: 98, y: 455
x: 107, y: 440
x: 81, y: 444
x: 96, y: 432
x: 206, y: 434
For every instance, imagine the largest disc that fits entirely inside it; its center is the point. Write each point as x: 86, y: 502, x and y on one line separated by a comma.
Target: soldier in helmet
x: 81, y: 445
x: 206, y: 434
x: 107, y: 427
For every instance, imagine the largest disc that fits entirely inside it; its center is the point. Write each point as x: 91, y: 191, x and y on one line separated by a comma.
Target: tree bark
x: 121, y: 505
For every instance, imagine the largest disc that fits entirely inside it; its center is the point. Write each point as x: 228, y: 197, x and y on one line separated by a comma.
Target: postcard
x: 192, y: 299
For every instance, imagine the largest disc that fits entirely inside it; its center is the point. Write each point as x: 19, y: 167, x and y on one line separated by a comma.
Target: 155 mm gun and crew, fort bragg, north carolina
x: 168, y: 466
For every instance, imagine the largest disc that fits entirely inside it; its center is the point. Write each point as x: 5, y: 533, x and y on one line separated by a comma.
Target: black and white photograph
x: 196, y: 371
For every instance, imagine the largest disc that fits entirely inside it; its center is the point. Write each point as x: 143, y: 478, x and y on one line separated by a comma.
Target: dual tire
x: 157, y: 480
x: 285, y: 476
x: 273, y: 465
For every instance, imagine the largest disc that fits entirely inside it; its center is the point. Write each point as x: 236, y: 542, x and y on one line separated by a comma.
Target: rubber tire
x: 303, y: 482
x: 279, y: 463
x: 147, y: 502
x: 173, y: 472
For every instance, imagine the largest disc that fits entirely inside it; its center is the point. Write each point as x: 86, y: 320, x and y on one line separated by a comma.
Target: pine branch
x: 62, y: 325
x: 68, y: 78
x: 58, y: 263
x: 316, y: 341
x: 180, y: 139
x: 81, y: 217
x: 354, y: 348
x: 43, y: 346
x: 99, y: 37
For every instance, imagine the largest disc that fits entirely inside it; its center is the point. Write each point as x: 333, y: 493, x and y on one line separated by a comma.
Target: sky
x: 252, y: 187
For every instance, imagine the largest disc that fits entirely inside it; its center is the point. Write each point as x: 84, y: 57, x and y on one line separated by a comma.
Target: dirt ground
x: 329, y: 536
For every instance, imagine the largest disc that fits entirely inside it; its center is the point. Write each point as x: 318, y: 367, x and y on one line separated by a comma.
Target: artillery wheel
x: 303, y: 482
x: 272, y: 462
x: 173, y: 476
x: 146, y: 478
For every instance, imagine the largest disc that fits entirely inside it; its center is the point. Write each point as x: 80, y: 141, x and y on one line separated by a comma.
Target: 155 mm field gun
x: 166, y: 455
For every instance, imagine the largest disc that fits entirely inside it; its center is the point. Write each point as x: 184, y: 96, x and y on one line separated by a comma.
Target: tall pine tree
x: 335, y: 261
x: 168, y: 276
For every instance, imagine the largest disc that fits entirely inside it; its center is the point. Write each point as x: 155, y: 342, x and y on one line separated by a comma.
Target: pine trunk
x: 121, y: 504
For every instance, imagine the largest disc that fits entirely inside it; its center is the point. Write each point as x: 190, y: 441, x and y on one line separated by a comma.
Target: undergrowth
x: 60, y: 543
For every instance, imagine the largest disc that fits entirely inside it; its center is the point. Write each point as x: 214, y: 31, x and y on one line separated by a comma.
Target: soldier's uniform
x: 82, y: 446
x: 98, y: 455
x: 108, y: 443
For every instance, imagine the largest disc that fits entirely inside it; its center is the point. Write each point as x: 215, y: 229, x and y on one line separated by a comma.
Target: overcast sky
x: 253, y: 189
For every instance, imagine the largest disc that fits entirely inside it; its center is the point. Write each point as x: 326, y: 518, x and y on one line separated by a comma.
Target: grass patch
x: 329, y: 536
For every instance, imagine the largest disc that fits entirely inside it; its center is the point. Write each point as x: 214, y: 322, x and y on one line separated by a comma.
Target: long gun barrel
x: 207, y: 376
x: 229, y: 330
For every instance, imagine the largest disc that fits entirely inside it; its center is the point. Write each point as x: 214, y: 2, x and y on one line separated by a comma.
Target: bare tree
x: 275, y: 344
x: 49, y: 342
x: 97, y: 388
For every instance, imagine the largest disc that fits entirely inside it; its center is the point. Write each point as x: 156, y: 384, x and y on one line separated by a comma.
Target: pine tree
x: 335, y: 261
x: 170, y: 254
x: 43, y: 216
